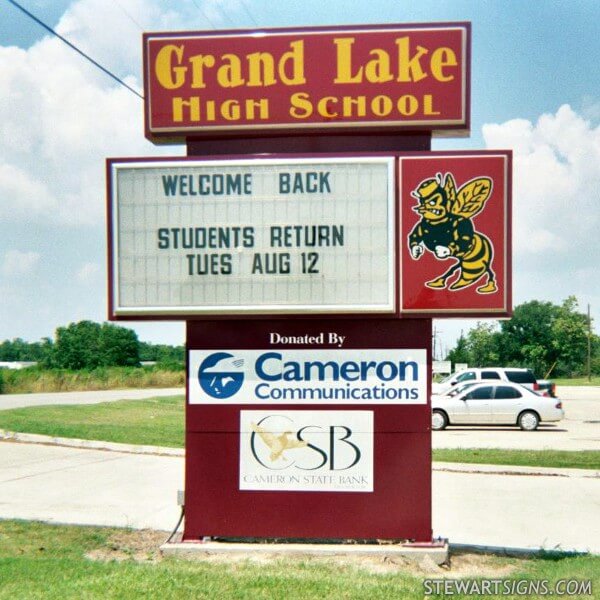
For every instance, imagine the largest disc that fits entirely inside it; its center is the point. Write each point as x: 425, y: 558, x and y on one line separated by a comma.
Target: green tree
x: 118, y: 346
x: 569, y: 338
x: 460, y: 353
x: 482, y: 345
x: 542, y: 336
x: 162, y: 353
x: 526, y: 338
x: 19, y: 350
x: 88, y: 345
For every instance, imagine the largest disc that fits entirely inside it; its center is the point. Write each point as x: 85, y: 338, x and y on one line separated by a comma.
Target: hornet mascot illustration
x: 447, y: 231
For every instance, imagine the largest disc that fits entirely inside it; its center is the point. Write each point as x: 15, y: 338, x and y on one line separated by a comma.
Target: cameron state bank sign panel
x: 262, y: 236
x: 411, y: 77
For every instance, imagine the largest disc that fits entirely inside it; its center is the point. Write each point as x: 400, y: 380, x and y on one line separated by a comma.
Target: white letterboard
x: 262, y: 236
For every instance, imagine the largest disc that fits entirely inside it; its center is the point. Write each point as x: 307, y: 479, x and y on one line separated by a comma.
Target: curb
x: 483, y: 469
x: 444, y: 467
x: 435, y: 552
x: 34, y: 438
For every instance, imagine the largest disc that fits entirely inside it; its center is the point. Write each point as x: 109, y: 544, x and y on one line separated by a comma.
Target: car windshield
x: 460, y: 388
x: 447, y: 378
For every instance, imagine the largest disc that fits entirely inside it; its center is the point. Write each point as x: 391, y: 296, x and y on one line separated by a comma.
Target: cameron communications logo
x: 221, y: 375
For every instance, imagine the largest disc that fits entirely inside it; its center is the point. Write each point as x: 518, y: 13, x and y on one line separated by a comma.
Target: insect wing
x: 472, y: 196
x: 450, y: 189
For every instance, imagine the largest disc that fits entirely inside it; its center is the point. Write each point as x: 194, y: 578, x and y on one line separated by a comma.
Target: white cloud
x: 22, y: 196
x: 556, y: 177
x: 16, y: 263
x: 88, y: 272
x: 60, y: 117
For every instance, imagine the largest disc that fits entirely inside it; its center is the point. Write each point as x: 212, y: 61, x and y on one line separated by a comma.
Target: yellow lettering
x: 428, y: 105
x: 378, y: 70
x: 261, y: 69
x: 198, y: 63
x: 295, y: 58
x: 230, y: 74
x: 169, y: 76
x: 360, y: 104
x: 323, y: 107
x: 344, y: 62
x: 262, y: 105
x: 409, y: 68
x: 210, y: 110
x: 408, y: 105
x: 441, y: 58
x: 301, y: 106
x: 230, y: 110
x: 382, y: 106
x: 193, y: 104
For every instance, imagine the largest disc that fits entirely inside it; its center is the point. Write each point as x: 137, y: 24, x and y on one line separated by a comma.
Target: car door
x: 506, y: 404
x: 477, y: 402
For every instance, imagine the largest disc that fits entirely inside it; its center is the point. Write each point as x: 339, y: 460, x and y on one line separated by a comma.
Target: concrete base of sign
x: 436, y: 551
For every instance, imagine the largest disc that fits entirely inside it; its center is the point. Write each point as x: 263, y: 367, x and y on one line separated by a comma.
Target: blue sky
x: 535, y: 89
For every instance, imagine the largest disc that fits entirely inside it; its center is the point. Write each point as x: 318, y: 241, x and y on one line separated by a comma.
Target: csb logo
x: 330, y: 447
x: 221, y: 375
x: 306, y: 450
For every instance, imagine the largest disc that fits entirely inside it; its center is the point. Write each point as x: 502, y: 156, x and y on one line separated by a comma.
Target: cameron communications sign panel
x: 311, y: 377
x: 263, y: 236
x: 390, y: 76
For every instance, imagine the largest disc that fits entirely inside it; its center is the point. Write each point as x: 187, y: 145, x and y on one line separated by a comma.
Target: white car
x: 523, y: 377
x: 486, y: 403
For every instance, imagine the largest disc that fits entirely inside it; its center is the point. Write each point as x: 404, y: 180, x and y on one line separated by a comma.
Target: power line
x: 248, y: 13
x: 73, y: 47
x: 204, y: 14
x: 129, y: 15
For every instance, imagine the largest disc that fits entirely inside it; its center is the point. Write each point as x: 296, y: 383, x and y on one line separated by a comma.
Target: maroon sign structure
x: 304, y: 426
x: 312, y: 469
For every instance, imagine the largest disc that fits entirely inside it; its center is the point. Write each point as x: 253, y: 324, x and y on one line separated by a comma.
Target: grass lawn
x: 155, y: 421
x: 160, y: 422
x: 64, y: 562
x: 562, y: 459
x: 577, y: 381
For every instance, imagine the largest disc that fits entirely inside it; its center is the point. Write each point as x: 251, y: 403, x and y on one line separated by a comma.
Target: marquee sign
x: 388, y: 77
x: 264, y: 236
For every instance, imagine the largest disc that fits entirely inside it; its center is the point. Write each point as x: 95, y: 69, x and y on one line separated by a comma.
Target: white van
x: 524, y: 377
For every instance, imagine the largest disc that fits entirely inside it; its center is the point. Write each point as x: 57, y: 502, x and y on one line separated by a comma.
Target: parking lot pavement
x: 89, y: 487
x: 514, y: 511
x: 579, y: 430
x: 98, y: 487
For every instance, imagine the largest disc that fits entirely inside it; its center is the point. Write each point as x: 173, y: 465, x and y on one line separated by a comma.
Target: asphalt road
x: 8, y: 401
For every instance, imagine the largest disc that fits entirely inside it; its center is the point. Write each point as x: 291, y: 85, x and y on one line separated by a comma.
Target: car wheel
x: 439, y: 420
x: 528, y: 421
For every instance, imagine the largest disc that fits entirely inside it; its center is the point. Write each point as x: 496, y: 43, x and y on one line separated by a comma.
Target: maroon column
x: 398, y: 508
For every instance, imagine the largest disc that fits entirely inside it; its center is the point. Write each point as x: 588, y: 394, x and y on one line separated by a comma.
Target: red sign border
x: 443, y: 128
x: 506, y: 309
